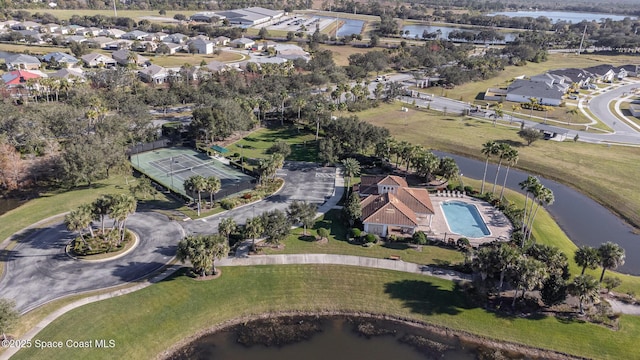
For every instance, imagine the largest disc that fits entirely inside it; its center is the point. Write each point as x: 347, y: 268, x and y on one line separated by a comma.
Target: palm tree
x: 122, y: 206
x: 488, y: 149
x: 73, y: 222
x: 448, y: 168
x: 213, y: 184
x: 501, y: 151
x: 299, y: 103
x: 202, y: 251
x: 611, y: 256
x: 511, y: 158
x: 85, y: 217
x: 253, y: 228
x: 351, y: 169
x: 197, y: 183
x: 527, y: 185
x: 544, y: 198
x: 587, y: 257
x: 530, y: 274
x: 226, y: 227
x: 101, y: 208
x: 585, y: 287
x: 507, y: 257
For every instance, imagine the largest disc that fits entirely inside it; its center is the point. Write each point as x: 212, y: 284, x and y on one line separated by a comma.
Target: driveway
x: 38, y: 270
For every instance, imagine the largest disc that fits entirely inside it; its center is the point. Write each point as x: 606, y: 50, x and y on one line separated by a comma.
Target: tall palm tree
x: 527, y: 185
x: 585, y: 287
x: 488, y: 149
x: 502, y: 150
x: 587, y: 257
x: 254, y: 228
x: 226, y: 227
x: 122, y: 206
x: 213, y: 184
x: 611, y: 256
x: 507, y: 257
x: 544, y: 198
x: 351, y: 169
x: 85, y: 217
x: 511, y: 158
x: 101, y: 208
x: 73, y: 223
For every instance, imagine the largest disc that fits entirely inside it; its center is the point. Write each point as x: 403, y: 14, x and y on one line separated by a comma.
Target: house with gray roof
x: 135, y: 35
x: 603, y: 73
x: 522, y: 90
x: 207, y: 16
x: 26, y: 25
x: 580, y: 77
x: 221, y: 41
x: 176, y: 38
x: 22, y: 61
x: 154, y: 74
x: 97, y: 60
x: 63, y: 59
x: 243, y: 43
x: 202, y: 46
x: 126, y: 57
x: 72, y: 74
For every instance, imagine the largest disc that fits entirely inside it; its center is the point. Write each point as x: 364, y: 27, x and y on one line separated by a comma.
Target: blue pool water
x: 464, y: 219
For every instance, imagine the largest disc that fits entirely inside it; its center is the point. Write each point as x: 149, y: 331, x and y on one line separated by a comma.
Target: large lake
x: 337, y: 340
x: 555, y: 16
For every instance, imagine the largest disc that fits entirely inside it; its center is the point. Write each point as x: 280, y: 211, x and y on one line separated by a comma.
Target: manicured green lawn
x: 297, y: 243
x: 149, y: 321
x: 255, y: 146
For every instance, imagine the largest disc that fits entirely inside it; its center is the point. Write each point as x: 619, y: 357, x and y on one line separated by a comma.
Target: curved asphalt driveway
x: 38, y: 270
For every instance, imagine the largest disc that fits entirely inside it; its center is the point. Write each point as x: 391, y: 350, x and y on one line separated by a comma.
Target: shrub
x: 236, y: 155
x: 419, y: 238
x: 323, y: 233
x: 356, y: 233
x: 463, y: 242
x: 227, y: 204
x: 392, y: 238
x: 370, y: 238
x: 247, y: 195
x: 611, y: 283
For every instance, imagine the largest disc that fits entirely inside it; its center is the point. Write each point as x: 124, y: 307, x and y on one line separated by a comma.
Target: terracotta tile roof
x: 369, y: 183
x: 393, y: 181
x: 387, y: 209
x: 416, y: 199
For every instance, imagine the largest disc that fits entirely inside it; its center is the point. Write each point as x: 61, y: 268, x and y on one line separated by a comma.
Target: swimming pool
x: 464, y: 219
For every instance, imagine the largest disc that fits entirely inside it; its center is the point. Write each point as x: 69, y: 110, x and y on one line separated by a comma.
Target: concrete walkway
x: 331, y: 259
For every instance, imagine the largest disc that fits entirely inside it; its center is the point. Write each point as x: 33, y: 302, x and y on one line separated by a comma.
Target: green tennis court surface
x: 170, y: 167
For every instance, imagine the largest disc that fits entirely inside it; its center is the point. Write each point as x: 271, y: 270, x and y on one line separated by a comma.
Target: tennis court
x: 170, y: 167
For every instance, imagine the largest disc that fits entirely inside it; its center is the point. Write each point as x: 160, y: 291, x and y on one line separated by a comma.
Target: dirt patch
x: 277, y: 331
x: 208, y: 277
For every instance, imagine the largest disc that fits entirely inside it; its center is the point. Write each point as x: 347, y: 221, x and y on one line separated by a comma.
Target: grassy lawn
x: 303, y: 145
x: 341, y: 53
x: 32, y: 49
x: 606, y: 174
x: 338, y: 244
x: 141, y: 332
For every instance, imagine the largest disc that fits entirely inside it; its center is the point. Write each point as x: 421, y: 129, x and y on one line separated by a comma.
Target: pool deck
x: 498, y: 224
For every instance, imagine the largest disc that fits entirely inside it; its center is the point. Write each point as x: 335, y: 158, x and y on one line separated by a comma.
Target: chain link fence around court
x: 170, y: 167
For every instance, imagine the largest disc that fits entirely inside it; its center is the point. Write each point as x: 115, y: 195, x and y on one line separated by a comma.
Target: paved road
x: 303, y: 182
x: 38, y: 270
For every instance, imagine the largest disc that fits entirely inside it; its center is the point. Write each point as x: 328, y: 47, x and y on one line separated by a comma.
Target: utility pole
x: 582, y: 41
x: 115, y: 12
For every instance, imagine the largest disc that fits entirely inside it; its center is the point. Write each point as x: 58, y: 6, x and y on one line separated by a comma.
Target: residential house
x: 523, y: 90
x: 71, y: 74
x: 221, y: 41
x: 114, y: 33
x: 89, y: 32
x: 217, y: 66
x: 26, y: 25
x: 174, y: 48
x: 125, y: 57
x: 579, y: 77
x: 16, y: 83
x: 631, y: 70
x: 31, y: 36
x: 291, y: 52
x: 135, y: 35
x: 99, y: 42
x: 154, y: 74
x: 176, y: 38
x: 202, y: 46
x: 602, y: 73
x: 390, y: 206
x: 159, y: 36
x: 7, y: 24
x: 97, y: 60
x: 243, y: 43
x: 75, y: 39
x: 62, y: 59
x: 635, y: 109
x: 22, y: 61
x: 50, y: 28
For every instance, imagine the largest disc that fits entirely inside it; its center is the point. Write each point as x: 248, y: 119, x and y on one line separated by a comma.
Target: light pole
x: 462, y: 184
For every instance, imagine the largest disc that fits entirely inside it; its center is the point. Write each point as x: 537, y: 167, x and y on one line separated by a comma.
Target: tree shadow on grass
x: 423, y: 297
x: 510, y: 142
x: 307, y: 238
x: 396, y: 246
